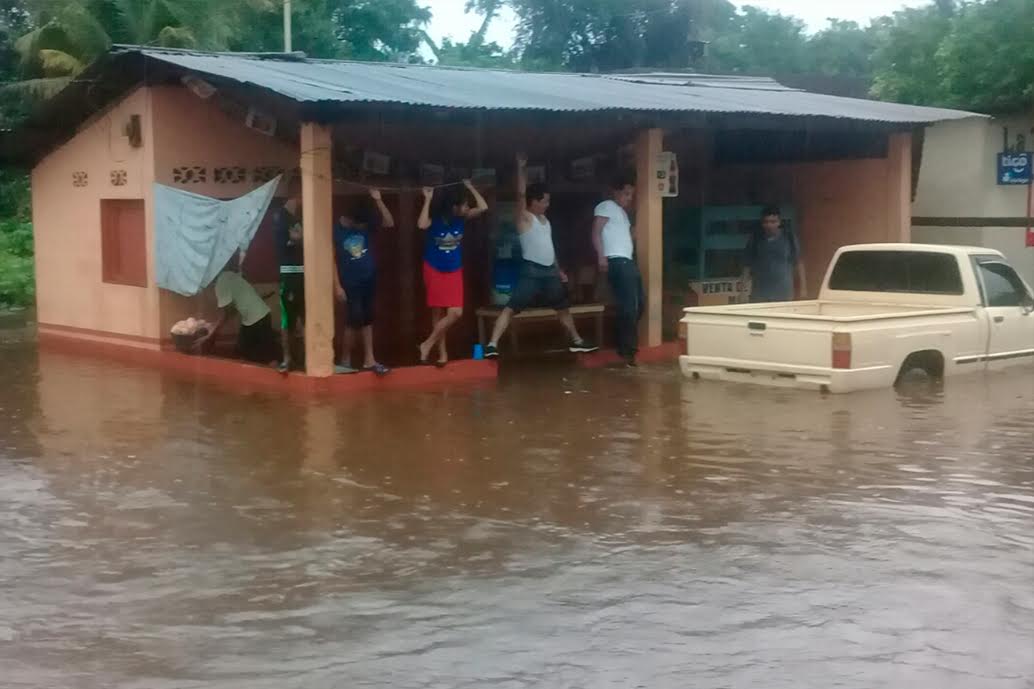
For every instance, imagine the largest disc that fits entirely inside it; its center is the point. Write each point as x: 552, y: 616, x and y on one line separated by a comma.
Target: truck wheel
x: 921, y: 366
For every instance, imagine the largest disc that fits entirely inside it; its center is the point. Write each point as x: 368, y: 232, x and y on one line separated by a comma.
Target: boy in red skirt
x: 443, y: 262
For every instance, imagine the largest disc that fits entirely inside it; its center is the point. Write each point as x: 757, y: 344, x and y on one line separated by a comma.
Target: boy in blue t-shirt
x: 355, y: 281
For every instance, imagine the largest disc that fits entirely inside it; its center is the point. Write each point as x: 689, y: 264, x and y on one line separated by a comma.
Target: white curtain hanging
x: 194, y: 235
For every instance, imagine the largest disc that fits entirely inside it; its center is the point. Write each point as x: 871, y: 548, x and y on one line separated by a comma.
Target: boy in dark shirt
x: 356, y: 279
x: 288, y: 229
x: 773, y: 256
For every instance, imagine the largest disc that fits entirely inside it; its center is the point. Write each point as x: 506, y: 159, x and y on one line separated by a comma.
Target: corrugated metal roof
x: 343, y: 82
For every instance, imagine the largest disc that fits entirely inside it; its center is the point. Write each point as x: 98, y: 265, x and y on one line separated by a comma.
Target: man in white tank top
x: 541, y: 282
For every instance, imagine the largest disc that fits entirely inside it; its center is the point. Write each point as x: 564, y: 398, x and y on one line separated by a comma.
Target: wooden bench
x: 533, y: 315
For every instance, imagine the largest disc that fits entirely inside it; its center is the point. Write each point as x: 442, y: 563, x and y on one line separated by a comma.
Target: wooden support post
x: 317, y: 224
x: 649, y: 231
x: 899, y: 198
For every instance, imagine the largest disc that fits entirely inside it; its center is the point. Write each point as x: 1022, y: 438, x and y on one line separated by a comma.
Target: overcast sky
x: 450, y: 19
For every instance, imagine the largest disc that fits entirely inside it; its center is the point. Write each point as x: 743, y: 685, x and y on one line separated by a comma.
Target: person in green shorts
x: 288, y: 232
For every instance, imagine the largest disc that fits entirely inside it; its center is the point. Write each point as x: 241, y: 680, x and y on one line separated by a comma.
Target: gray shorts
x: 539, y: 286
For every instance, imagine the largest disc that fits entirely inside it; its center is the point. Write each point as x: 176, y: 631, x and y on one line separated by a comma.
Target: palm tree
x: 69, y: 34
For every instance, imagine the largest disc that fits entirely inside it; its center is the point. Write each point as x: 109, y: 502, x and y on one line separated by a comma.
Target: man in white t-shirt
x: 612, y: 237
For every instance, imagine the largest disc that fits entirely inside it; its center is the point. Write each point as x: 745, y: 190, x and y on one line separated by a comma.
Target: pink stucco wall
x: 853, y: 202
x: 179, y: 130
x: 71, y: 295
x: 189, y: 132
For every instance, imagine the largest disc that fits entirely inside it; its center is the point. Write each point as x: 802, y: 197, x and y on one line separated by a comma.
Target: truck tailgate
x: 769, y: 343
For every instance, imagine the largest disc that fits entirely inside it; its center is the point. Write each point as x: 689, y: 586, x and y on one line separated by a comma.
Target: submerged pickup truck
x: 884, y: 310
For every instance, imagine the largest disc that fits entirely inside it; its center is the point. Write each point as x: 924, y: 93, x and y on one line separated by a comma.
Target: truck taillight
x: 841, y: 350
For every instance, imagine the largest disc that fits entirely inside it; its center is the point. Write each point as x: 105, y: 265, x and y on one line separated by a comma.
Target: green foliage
x: 604, y: 35
x: 987, y: 59
x: 976, y: 55
x: 907, y: 67
x: 755, y: 37
x: 842, y: 49
x: 16, y: 262
x: 353, y: 29
x: 15, y: 199
x: 17, y: 280
x: 381, y: 30
x: 474, y: 54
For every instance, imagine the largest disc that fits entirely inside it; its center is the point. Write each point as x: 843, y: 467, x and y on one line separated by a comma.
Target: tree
x: 602, y: 35
x: 475, y: 52
x: 14, y: 22
x: 352, y: 29
x: 760, y: 42
x: 986, y: 62
x: 907, y: 68
x: 842, y: 49
x: 976, y: 55
x: 381, y: 30
x: 68, y: 35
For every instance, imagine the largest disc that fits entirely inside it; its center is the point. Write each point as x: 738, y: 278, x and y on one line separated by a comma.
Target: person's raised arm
x: 522, y: 217
x: 424, y: 221
x: 598, y: 223
x: 481, y: 205
x: 387, y: 219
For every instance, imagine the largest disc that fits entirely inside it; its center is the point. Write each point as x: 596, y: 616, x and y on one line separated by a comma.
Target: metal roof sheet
x: 344, y: 82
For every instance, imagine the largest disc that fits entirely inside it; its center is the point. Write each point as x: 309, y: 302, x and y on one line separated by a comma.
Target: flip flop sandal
x: 378, y: 370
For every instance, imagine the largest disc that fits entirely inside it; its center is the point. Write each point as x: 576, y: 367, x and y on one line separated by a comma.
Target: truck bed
x: 791, y: 343
x: 834, y: 311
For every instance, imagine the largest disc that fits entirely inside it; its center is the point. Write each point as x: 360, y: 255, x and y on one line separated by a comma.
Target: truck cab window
x: 914, y: 272
x: 1003, y: 287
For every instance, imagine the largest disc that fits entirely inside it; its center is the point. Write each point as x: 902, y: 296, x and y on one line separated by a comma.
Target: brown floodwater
x: 563, y: 528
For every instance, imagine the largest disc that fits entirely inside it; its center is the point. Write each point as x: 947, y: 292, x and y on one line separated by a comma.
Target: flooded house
x: 708, y: 152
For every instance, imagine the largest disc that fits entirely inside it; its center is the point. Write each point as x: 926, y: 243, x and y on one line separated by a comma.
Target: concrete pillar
x: 899, y: 193
x: 317, y: 224
x: 649, y: 228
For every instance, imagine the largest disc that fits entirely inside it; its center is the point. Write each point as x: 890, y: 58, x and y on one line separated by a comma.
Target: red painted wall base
x: 248, y: 377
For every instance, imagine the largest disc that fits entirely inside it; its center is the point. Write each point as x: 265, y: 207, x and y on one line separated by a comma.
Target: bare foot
x: 425, y: 350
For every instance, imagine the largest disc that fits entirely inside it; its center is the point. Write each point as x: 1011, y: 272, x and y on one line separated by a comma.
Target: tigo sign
x: 1015, y: 168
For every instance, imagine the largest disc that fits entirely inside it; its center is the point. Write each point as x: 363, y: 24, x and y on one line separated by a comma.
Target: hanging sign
x: 719, y: 292
x: 483, y: 175
x: 432, y: 175
x: 536, y: 174
x: 583, y: 168
x: 376, y: 163
x: 260, y: 122
x: 1015, y: 168
x: 666, y: 174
